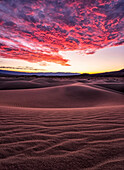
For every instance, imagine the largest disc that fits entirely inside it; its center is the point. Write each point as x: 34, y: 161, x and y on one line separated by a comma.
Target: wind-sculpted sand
x: 73, y: 126
x: 30, y: 83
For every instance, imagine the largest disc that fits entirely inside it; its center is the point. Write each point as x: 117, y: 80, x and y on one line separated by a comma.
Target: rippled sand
x: 67, y: 127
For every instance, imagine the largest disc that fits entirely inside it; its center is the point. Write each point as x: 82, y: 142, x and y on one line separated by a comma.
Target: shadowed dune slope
x: 10, y: 84
x: 117, y: 86
x: 62, y: 139
x: 66, y: 96
x: 20, y: 84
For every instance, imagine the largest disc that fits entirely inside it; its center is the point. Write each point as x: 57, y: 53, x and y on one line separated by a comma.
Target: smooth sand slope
x: 30, y: 83
x: 67, y: 127
x: 66, y: 96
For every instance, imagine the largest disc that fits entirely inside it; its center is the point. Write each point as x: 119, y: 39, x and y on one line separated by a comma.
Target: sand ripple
x: 64, y: 139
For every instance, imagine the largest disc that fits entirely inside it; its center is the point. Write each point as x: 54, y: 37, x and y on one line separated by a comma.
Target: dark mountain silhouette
x: 119, y: 73
x: 6, y: 72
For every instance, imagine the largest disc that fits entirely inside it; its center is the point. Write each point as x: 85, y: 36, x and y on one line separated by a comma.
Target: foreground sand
x: 46, y: 139
x: 67, y: 127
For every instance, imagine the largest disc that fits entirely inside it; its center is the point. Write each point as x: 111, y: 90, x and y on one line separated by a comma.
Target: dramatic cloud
x: 37, y: 30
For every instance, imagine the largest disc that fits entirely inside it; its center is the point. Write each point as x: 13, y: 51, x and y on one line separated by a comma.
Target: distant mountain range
x: 6, y: 72
x: 119, y: 73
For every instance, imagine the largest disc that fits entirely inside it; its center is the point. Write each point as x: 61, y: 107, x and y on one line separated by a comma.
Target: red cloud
x: 37, y: 30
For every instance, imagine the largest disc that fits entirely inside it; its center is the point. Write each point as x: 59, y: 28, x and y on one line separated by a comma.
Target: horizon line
x: 29, y: 72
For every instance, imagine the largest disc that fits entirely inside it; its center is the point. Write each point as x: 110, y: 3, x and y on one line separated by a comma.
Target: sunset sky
x: 62, y: 35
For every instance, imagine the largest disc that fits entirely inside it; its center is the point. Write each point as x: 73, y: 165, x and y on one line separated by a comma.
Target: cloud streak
x: 36, y: 31
x: 26, y: 68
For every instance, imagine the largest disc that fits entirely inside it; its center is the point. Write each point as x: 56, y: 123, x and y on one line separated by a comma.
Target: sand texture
x: 69, y: 125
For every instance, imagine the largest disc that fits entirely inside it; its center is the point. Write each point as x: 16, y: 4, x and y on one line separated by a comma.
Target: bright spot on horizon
x: 92, y: 63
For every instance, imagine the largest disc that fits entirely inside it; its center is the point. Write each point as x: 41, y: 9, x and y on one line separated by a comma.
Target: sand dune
x: 23, y: 83
x: 20, y: 84
x: 71, y: 126
x: 115, y: 86
x: 66, y: 96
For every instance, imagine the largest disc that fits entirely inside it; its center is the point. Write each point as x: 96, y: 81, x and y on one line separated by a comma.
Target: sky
x: 62, y: 35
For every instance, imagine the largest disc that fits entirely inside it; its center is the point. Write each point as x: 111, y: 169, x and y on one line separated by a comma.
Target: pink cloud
x: 37, y: 30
